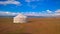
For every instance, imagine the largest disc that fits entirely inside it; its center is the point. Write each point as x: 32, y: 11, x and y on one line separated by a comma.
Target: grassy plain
x: 33, y: 26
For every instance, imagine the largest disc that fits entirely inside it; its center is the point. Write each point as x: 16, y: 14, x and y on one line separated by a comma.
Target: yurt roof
x: 21, y: 16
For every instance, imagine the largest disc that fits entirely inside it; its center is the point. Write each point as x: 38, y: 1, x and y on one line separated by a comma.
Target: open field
x: 34, y: 26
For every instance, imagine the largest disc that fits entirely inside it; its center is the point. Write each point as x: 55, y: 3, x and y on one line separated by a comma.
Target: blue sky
x: 30, y: 6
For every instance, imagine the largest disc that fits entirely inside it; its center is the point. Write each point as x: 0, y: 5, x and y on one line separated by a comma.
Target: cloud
x: 31, y: 13
x: 10, y: 2
x: 34, y: 14
x: 7, y: 13
x: 28, y: 1
x: 31, y: 5
x: 48, y: 11
x: 57, y: 12
x: 47, y: 14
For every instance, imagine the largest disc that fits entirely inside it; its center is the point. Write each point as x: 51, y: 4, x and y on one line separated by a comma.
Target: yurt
x: 20, y: 18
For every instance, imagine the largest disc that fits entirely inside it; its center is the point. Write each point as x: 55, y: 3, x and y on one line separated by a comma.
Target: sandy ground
x: 33, y: 26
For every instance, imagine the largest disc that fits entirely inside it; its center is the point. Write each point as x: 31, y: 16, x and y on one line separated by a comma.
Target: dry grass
x: 34, y: 26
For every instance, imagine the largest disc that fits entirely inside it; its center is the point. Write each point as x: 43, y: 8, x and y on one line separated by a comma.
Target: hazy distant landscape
x: 33, y: 26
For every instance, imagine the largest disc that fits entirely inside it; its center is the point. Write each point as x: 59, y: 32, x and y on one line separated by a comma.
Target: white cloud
x: 35, y: 0
x: 33, y: 14
x: 47, y: 14
x: 10, y: 2
x: 57, y: 11
x: 48, y: 11
x: 7, y: 13
x: 32, y: 6
x: 28, y: 1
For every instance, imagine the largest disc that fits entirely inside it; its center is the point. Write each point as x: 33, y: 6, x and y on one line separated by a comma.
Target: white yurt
x: 20, y: 18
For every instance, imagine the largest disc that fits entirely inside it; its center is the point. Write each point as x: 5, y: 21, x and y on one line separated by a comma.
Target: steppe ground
x: 33, y: 26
